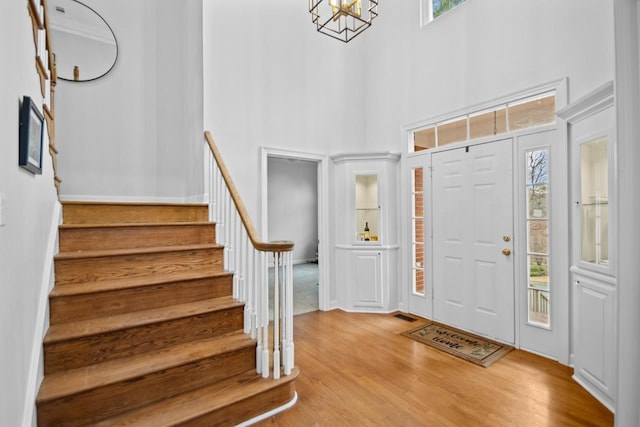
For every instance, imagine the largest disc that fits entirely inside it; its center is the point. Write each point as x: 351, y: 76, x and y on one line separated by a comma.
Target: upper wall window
x: 431, y: 9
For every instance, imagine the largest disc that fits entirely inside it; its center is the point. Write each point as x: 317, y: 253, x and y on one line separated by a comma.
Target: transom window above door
x: 512, y: 116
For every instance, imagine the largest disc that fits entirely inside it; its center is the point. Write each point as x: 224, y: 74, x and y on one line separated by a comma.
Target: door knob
x: 506, y: 251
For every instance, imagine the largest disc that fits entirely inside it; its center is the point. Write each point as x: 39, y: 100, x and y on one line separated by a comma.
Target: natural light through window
x: 537, y: 218
x: 434, y: 8
x: 516, y: 115
x: 417, y: 222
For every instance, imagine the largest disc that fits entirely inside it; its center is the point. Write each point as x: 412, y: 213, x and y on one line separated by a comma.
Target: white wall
x: 271, y: 80
x: 479, y: 51
x: 293, y: 205
x: 137, y: 132
x: 29, y: 206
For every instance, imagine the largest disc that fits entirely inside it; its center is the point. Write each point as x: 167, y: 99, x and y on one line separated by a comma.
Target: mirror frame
x: 115, y: 39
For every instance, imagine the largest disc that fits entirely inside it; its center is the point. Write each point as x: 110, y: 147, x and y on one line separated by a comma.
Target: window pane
x: 442, y: 6
x: 418, y: 280
x: 424, y: 139
x: 454, y: 131
x: 532, y: 112
x: 594, y: 172
x: 537, y: 220
x: 488, y: 123
x: 595, y: 230
x: 537, y: 167
x: 537, y: 200
x: 539, y: 306
x: 538, y: 237
x: 538, y: 271
x: 417, y: 181
x: 417, y: 222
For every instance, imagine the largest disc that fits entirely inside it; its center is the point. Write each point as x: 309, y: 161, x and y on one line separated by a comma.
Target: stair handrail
x: 276, y: 246
x: 250, y: 268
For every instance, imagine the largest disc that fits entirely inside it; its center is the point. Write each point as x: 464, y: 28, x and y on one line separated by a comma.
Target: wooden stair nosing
x: 64, y: 256
x: 82, y: 226
x: 193, y: 405
x: 102, y: 325
x: 74, y: 381
x: 132, y: 204
x: 87, y: 288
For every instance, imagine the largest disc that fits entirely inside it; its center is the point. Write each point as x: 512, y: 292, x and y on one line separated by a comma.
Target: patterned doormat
x: 464, y: 345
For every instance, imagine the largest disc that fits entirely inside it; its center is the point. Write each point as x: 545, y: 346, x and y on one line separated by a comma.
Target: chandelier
x: 342, y: 19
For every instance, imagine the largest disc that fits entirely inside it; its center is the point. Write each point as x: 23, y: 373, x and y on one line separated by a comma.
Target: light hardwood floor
x: 356, y: 370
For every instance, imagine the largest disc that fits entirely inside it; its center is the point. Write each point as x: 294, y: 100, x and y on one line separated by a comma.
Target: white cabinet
x: 591, y: 124
x: 367, y: 281
x: 366, y: 239
x: 595, y: 335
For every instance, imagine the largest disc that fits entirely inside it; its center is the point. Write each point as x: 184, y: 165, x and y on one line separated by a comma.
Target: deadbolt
x: 506, y: 251
x: 506, y: 238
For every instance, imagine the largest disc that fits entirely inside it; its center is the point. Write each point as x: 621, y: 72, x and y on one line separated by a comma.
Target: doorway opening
x: 293, y: 209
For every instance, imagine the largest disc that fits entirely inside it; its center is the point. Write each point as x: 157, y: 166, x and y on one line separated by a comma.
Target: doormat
x: 464, y: 345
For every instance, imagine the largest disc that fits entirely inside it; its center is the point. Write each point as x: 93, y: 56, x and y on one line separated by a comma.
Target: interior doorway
x: 293, y: 208
x: 292, y: 194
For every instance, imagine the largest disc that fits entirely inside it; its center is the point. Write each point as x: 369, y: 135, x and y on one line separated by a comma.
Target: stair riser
x: 90, y: 213
x: 78, y: 352
x: 107, y: 238
x: 92, y: 306
x: 90, y: 406
x: 116, y: 267
x: 246, y: 409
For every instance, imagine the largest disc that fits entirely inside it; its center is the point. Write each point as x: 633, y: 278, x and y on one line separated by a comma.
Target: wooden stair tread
x: 134, y: 224
x: 133, y: 251
x: 83, y: 328
x: 190, y: 405
x: 74, y: 381
x: 86, y: 288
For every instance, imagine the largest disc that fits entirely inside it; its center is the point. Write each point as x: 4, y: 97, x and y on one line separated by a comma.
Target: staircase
x: 143, y: 327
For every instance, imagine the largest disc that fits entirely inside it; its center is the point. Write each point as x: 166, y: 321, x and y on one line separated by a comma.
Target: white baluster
x: 276, y: 315
x: 289, y: 349
x: 264, y: 315
x: 253, y: 287
x: 283, y: 306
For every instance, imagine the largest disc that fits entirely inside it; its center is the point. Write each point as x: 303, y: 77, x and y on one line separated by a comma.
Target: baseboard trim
x: 272, y: 412
x: 36, y: 371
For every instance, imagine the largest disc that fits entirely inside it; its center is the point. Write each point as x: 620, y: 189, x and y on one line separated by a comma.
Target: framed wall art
x: 31, y: 134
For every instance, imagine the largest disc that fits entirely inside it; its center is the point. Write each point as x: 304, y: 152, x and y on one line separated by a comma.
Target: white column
x: 627, y: 54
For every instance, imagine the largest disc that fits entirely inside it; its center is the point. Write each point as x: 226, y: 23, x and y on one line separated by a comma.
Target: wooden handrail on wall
x: 278, y: 246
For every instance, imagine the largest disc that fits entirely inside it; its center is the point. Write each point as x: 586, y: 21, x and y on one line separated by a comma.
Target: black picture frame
x: 31, y: 136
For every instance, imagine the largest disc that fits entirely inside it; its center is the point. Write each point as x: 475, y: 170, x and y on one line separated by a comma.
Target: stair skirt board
x: 271, y: 413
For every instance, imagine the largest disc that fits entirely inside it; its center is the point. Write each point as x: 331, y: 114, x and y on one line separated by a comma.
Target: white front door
x: 473, y: 276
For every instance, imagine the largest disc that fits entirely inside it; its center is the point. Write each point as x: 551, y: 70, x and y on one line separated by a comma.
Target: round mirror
x: 82, y: 42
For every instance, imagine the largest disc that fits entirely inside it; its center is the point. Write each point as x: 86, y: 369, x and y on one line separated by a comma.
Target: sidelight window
x: 417, y: 224
x: 537, y: 218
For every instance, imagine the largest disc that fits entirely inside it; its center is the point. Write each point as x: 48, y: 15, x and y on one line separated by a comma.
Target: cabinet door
x: 595, y: 335
x: 368, y: 279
